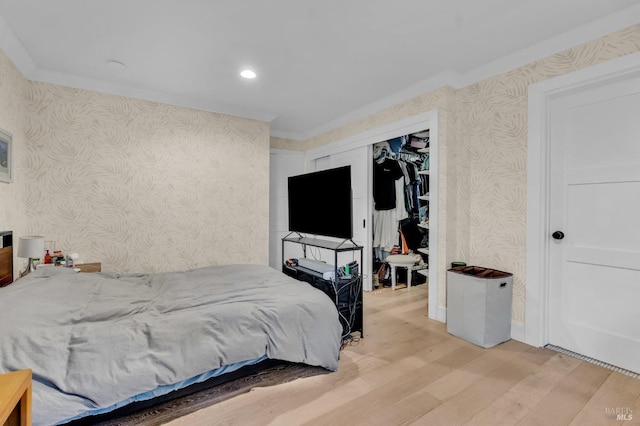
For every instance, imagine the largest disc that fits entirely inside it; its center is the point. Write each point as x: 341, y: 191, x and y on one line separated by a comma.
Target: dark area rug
x: 281, y: 372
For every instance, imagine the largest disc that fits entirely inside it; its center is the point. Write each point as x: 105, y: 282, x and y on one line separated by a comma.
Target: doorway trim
x: 536, y: 327
x: 427, y: 120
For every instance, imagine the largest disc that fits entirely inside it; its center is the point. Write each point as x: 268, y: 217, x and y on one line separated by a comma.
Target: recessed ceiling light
x: 116, y: 65
x: 248, y: 74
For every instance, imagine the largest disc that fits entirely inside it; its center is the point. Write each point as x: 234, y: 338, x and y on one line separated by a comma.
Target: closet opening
x: 357, y: 151
x: 400, y: 220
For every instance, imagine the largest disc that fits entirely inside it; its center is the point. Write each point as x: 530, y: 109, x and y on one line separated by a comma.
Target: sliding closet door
x: 359, y: 160
x: 282, y: 165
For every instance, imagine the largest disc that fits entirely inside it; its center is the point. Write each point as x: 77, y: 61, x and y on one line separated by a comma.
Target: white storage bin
x: 479, y: 305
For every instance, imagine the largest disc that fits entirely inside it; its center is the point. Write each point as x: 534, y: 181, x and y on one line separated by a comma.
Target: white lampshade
x: 31, y: 246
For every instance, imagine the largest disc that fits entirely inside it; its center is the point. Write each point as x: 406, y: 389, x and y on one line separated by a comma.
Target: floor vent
x: 594, y: 361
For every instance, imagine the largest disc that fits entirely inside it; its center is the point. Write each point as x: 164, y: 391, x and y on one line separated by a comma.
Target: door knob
x: 558, y: 235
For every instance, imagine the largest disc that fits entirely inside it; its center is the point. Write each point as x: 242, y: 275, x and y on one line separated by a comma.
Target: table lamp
x: 30, y: 247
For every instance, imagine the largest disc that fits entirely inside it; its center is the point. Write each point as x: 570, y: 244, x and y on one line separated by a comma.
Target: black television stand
x: 345, y: 290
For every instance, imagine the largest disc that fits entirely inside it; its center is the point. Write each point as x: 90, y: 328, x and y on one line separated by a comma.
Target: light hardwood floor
x: 409, y: 371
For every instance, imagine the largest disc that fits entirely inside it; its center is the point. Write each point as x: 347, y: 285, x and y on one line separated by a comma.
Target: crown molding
x: 65, y: 79
x: 567, y: 40
x: 14, y: 49
x: 447, y: 78
x: 593, y: 30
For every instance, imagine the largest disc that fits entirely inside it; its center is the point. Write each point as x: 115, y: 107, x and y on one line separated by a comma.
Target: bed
x: 97, y: 342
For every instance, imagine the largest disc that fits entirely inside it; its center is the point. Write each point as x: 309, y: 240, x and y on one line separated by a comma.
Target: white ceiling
x: 319, y: 62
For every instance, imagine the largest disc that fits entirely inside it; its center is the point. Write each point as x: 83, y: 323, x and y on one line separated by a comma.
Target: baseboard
x: 517, y: 331
x: 517, y: 328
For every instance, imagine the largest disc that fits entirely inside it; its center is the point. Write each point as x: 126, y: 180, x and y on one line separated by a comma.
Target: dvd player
x: 327, y: 271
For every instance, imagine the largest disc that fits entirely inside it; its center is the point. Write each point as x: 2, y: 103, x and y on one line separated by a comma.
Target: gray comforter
x: 95, y: 340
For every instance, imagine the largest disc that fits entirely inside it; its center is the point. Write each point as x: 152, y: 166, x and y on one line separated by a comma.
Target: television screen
x: 320, y: 203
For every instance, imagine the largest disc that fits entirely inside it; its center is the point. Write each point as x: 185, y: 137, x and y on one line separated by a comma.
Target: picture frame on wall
x: 5, y: 156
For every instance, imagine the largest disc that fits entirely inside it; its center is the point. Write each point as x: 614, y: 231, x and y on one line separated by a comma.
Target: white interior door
x: 594, y: 282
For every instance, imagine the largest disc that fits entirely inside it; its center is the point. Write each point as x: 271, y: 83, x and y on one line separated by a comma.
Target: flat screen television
x: 320, y: 203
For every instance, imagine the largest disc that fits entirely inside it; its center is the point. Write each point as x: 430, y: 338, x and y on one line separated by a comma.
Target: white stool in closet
x: 401, y: 261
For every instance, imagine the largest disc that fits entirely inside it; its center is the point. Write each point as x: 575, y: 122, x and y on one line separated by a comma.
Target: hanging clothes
x: 397, y: 184
x: 385, y: 222
x: 385, y: 174
x: 397, y: 188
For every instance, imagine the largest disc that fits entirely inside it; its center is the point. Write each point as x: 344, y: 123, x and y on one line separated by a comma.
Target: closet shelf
x: 423, y: 172
x: 423, y: 250
x: 422, y: 225
x: 424, y: 272
x: 423, y: 150
x: 424, y: 197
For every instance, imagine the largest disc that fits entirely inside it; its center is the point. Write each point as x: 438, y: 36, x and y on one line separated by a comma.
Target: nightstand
x: 89, y: 267
x: 15, y: 398
x: 6, y: 258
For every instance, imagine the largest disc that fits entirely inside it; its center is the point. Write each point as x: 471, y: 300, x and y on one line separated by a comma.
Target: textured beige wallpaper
x: 143, y: 186
x: 12, y: 119
x: 284, y: 143
x: 139, y: 186
x: 492, y: 125
x: 483, y: 158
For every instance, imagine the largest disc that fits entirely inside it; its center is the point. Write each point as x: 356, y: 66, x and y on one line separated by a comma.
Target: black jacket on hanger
x: 385, y: 175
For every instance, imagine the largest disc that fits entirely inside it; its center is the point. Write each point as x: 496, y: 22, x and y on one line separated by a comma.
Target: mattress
x: 98, y: 341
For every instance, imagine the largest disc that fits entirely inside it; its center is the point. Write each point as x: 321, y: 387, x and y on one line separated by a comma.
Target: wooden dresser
x: 6, y: 258
x: 15, y: 398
